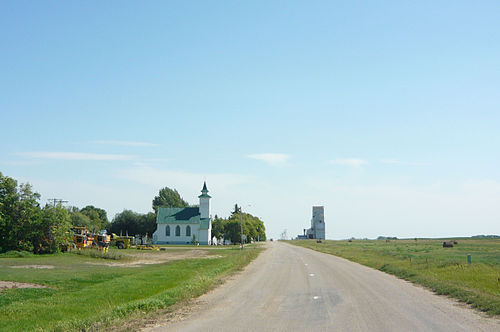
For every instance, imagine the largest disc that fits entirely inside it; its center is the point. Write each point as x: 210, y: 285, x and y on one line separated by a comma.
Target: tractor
x: 82, y: 238
x: 121, y: 242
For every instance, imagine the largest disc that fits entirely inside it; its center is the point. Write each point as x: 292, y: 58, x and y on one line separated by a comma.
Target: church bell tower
x: 205, y: 210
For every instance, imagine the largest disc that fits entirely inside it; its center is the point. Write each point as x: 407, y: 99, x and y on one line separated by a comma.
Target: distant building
x: 317, y: 230
x: 183, y: 225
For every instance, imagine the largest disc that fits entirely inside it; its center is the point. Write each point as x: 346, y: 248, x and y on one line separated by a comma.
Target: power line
x: 56, y: 201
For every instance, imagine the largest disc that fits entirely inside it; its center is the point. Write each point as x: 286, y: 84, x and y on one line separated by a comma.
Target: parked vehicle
x: 102, y: 241
x: 82, y: 238
x: 121, y: 242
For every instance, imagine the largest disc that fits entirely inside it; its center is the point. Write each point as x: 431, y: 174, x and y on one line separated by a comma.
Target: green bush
x: 15, y: 253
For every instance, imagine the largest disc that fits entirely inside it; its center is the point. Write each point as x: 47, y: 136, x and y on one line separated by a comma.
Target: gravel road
x: 289, y: 288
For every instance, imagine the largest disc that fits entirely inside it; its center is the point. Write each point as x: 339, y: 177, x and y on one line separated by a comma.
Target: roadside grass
x: 87, y: 297
x: 13, y: 253
x: 426, y: 262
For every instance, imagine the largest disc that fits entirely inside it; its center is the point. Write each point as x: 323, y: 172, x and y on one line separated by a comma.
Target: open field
x: 83, y: 292
x: 426, y: 262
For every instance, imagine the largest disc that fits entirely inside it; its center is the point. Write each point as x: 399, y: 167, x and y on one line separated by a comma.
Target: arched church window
x: 188, y: 230
x: 167, y: 231
x: 177, y: 230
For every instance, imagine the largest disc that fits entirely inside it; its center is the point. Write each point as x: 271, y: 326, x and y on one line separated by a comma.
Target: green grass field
x: 87, y: 296
x: 426, y: 262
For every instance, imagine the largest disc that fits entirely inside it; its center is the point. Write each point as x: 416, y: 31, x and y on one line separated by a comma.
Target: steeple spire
x: 204, y: 191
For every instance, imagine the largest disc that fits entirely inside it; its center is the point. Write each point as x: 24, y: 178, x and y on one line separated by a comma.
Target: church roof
x: 188, y: 215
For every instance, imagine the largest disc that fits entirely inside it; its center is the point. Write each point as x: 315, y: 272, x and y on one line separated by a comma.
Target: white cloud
x: 183, y: 181
x: 352, y: 162
x: 73, y: 155
x: 394, y: 161
x: 271, y: 158
x: 125, y: 143
x: 20, y: 162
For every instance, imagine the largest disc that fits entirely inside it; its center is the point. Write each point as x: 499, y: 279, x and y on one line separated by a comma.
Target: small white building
x: 185, y: 225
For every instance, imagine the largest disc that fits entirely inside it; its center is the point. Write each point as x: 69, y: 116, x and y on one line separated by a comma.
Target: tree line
x: 25, y: 225
x: 230, y: 228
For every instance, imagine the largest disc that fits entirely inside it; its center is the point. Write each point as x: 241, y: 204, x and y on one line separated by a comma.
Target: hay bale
x: 448, y: 244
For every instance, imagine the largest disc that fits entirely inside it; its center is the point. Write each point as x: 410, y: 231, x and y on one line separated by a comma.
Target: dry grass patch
x: 14, y: 284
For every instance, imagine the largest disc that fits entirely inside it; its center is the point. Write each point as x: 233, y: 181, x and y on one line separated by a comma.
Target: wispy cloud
x: 352, y: 162
x: 124, y: 143
x: 394, y: 161
x: 271, y: 158
x: 157, y: 177
x: 74, y: 155
x: 20, y: 162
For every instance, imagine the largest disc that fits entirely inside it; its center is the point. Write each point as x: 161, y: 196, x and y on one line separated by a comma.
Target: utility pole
x: 241, y: 228
x: 57, y: 201
x: 241, y: 225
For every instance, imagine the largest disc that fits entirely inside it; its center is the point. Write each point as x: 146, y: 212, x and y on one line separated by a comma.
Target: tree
x: 50, y: 229
x: 236, y: 209
x: 132, y: 223
x: 232, y: 230
x: 24, y: 225
x: 18, y: 209
x: 147, y: 224
x: 253, y: 227
x: 168, y: 198
x: 79, y: 219
x: 126, y: 222
x: 218, y: 227
x: 94, y: 219
x: 98, y: 217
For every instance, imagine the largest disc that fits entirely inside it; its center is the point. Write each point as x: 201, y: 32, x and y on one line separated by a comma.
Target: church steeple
x: 204, y: 202
x: 204, y: 191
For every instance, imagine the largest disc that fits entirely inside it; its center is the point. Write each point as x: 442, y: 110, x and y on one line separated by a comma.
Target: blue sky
x: 387, y: 113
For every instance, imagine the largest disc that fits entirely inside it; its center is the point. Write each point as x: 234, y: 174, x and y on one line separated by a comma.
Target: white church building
x: 185, y: 225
